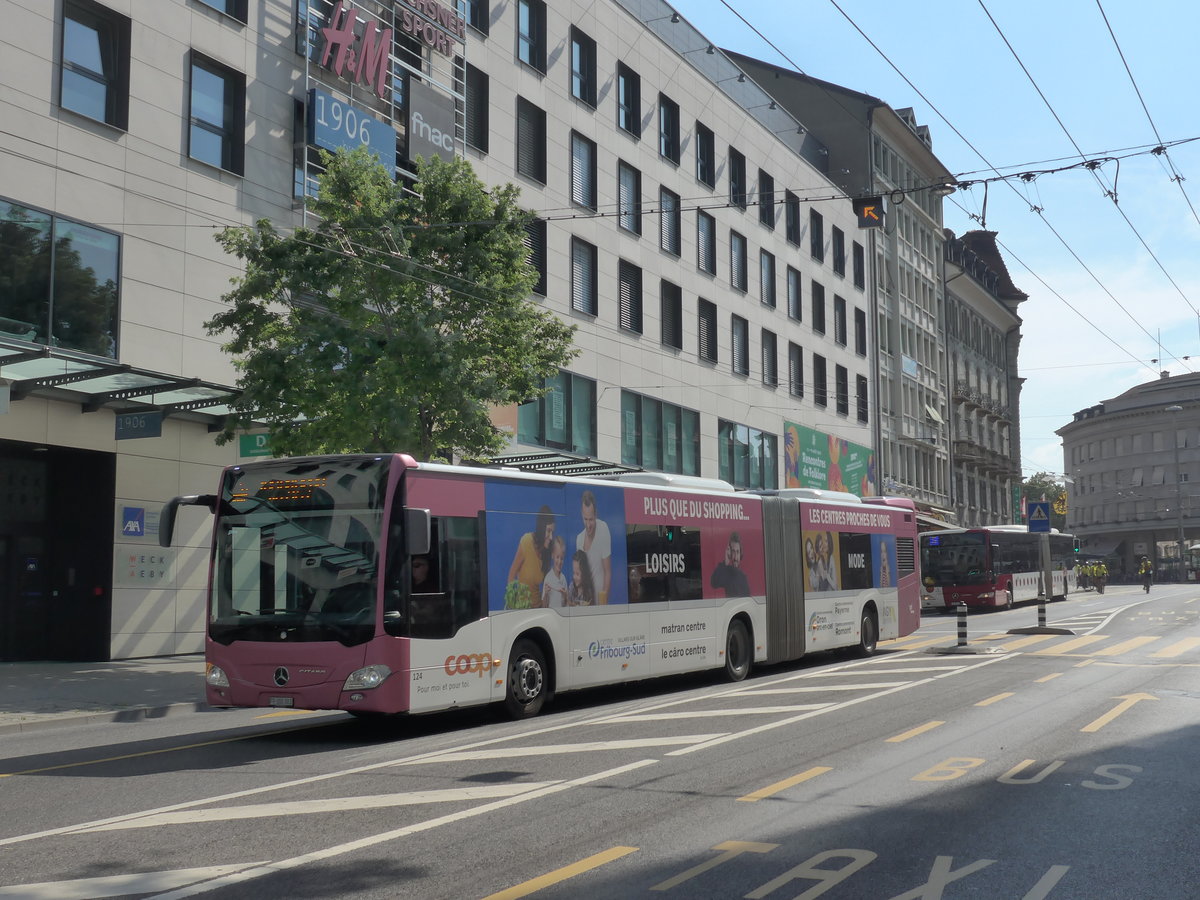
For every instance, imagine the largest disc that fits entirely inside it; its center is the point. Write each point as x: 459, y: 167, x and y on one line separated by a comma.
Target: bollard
x: 1042, y: 611
x: 962, y: 624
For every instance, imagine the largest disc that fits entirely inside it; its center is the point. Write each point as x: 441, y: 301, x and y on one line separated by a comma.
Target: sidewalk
x: 37, y: 695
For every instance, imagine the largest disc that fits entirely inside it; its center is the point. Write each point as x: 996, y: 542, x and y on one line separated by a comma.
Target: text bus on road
x: 375, y: 584
x: 992, y: 567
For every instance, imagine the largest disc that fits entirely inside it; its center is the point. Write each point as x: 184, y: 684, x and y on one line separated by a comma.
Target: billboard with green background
x: 814, y: 459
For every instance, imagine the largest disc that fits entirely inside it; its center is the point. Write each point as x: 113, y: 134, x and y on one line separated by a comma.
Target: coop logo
x: 480, y: 663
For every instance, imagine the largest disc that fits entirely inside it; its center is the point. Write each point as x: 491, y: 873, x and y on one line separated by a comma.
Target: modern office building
x: 1130, y: 464
x: 689, y: 229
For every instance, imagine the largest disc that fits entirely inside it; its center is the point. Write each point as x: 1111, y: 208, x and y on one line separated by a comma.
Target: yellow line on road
x: 920, y: 729
x: 1021, y: 643
x: 1068, y: 646
x: 1179, y: 647
x: 560, y: 875
x: 1126, y: 703
x: 1049, y: 677
x: 1126, y: 646
x: 778, y: 786
x: 990, y: 700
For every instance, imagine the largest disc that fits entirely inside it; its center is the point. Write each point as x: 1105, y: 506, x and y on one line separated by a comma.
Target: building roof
x: 983, y: 244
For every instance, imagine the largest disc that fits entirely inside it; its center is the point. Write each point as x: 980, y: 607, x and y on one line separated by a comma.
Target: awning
x: 934, y: 414
x: 553, y: 463
x: 927, y: 522
x: 1100, y: 546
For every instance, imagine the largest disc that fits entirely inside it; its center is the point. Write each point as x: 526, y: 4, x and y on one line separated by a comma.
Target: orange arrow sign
x: 1129, y: 701
x: 868, y: 212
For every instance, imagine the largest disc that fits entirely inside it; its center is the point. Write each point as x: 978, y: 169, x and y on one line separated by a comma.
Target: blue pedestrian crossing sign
x: 1039, y: 516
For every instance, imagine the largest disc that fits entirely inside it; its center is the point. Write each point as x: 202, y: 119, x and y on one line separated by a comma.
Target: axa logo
x: 479, y: 663
x: 360, y: 58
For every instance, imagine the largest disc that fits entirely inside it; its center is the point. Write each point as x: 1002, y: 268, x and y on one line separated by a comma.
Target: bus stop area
x: 35, y: 695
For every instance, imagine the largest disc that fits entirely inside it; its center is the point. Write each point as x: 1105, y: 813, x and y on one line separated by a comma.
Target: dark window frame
x: 583, y: 67
x: 629, y: 296
x: 770, y: 358
x: 706, y: 155
x: 583, y: 183
x: 841, y: 380
x: 232, y: 130
x: 739, y: 345
x: 543, y: 409
x: 706, y: 245
x: 791, y: 211
x: 795, y: 294
x: 838, y: 241
x: 766, y: 199
x: 476, y: 94
x: 820, y: 372
x: 840, y: 325
x: 862, y: 398
x: 795, y: 369
x: 668, y: 129
x: 706, y: 320
x: 112, y: 32
x: 629, y: 215
x: 629, y: 100
x: 531, y: 36
x: 584, y: 285
x: 530, y: 144
x: 860, y: 331
x: 816, y: 235
x: 670, y: 298
x: 670, y: 221
x: 739, y: 189
x: 816, y: 293
x: 859, y: 265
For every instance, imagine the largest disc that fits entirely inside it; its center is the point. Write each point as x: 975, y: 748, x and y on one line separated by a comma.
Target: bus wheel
x: 526, y: 680
x: 738, y: 656
x: 868, y: 635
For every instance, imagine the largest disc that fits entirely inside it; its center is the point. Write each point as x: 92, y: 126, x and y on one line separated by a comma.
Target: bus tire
x: 868, y: 636
x: 527, y: 681
x: 738, y: 653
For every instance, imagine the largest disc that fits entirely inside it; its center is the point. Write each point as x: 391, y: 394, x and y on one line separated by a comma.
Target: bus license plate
x: 283, y: 701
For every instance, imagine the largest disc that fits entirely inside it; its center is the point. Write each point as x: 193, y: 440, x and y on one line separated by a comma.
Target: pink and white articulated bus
x: 376, y: 584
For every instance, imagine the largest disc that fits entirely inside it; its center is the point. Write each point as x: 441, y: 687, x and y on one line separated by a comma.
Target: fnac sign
x: 479, y: 663
x: 360, y: 58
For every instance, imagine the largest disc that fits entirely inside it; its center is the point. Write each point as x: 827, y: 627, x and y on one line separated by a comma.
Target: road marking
x: 552, y: 749
x: 823, y: 688
x: 118, y: 885
x: 1125, y: 646
x: 1049, y: 677
x: 709, y: 713
x: 559, y: 875
x: 899, y: 671
x: 1068, y: 646
x: 334, y: 804
x: 285, y: 713
x: 730, y: 850
x: 772, y: 789
x: 1176, y: 649
x: 990, y: 700
x: 928, y: 642
x: 913, y: 732
x: 1128, y: 700
x: 1041, y: 890
x: 387, y: 836
x: 1021, y: 643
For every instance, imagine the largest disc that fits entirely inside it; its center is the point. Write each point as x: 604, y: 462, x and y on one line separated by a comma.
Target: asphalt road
x: 1054, y: 766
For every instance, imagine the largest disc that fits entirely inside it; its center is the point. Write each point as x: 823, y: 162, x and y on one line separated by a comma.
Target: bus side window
x: 446, y: 595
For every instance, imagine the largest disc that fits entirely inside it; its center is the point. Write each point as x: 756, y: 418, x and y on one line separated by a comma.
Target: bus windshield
x: 296, y: 551
x: 950, y: 559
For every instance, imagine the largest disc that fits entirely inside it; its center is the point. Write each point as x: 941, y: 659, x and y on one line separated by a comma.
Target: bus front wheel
x: 526, y: 690
x: 738, y: 655
x: 868, y: 638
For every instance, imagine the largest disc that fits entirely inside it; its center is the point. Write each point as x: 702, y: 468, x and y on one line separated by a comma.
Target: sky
x: 1114, y: 287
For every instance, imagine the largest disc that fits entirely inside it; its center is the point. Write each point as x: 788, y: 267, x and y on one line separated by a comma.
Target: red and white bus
x: 376, y: 584
x: 992, y: 567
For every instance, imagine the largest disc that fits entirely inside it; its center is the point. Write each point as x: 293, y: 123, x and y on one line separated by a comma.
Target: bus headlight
x: 366, y: 678
x: 215, y: 676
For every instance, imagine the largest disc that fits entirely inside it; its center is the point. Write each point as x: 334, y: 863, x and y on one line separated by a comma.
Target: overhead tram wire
x: 1040, y: 212
x: 1111, y: 193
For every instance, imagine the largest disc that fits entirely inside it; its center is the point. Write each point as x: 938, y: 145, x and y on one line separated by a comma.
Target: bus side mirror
x: 416, y: 530
x: 166, y: 523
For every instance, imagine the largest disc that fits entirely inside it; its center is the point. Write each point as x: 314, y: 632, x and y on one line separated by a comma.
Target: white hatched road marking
x: 552, y: 749
x: 119, y: 885
x: 824, y: 688
x: 706, y: 713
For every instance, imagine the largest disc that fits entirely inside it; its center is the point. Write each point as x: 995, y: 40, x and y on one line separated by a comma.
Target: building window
x: 583, y: 277
x: 706, y: 155
x: 838, y: 239
x: 739, y: 330
x: 531, y: 141
x: 795, y: 370
x: 766, y: 199
x: 706, y: 242
x: 746, y: 457
x: 583, y: 67
x: 535, y: 243
x: 839, y: 320
x: 475, y: 89
x: 583, y: 171
x: 217, y: 115
x: 477, y: 15
x: 818, y: 308
x: 658, y: 435
x: 95, y: 63
x: 739, y: 270
x: 629, y: 198
x: 670, y: 222
x: 770, y: 359
x: 860, y: 332
x: 795, y: 310
x: 816, y: 234
x: 707, y: 320
x: 668, y: 128
x: 791, y: 210
x: 629, y: 100
x: 564, y: 418
x: 841, y: 380
x: 860, y: 384
x: 820, y: 384
x: 531, y: 33
x: 671, y: 314
x: 61, y: 281
x: 629, y: 294
x: 859, y: 259
x: 766, y: 278
x: 737, y: 179
x: 235, y: 9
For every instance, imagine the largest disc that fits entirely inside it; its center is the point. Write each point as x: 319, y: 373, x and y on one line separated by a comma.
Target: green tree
x: 1044, y: 486
x: 397, y: 324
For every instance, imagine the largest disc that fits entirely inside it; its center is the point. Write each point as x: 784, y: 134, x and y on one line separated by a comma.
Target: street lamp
x: 1176, y: 408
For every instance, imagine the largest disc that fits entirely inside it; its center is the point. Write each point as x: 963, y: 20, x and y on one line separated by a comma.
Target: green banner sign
x: 254, y: 445
x: 814, y: 459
